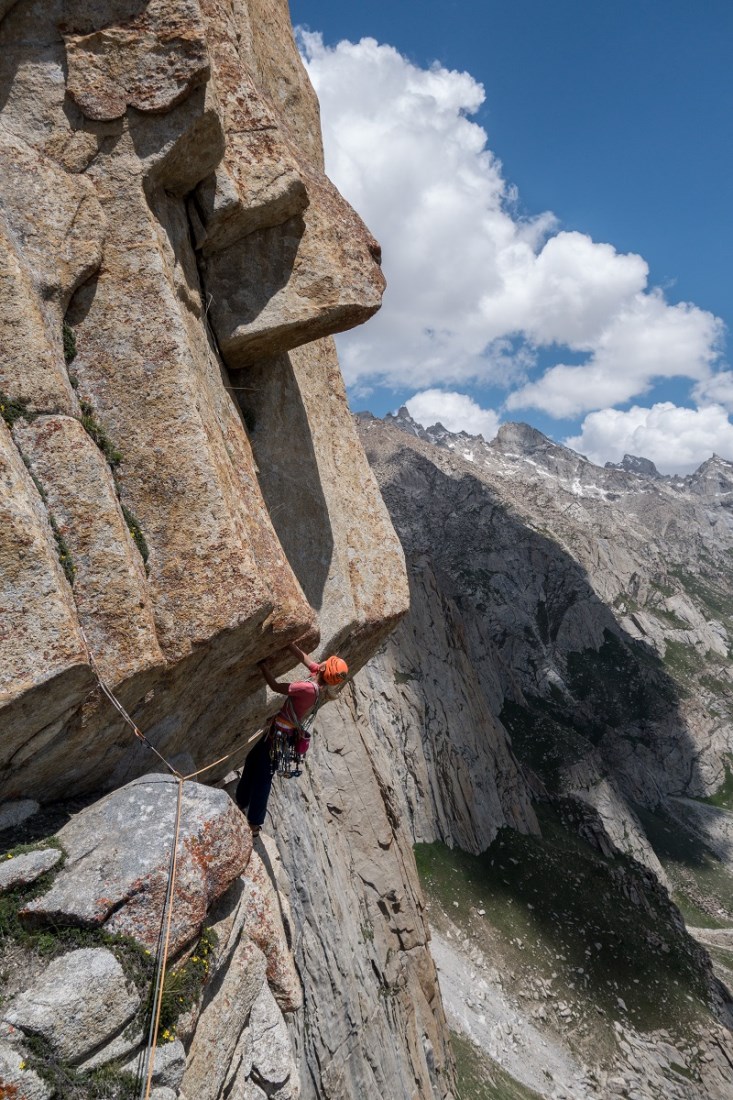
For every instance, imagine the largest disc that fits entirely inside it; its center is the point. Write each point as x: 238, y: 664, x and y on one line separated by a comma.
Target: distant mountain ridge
x: 517, y: 438
x: 569, y: 645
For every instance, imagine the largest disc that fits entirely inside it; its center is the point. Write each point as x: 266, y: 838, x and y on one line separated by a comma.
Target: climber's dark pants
x: 253, y: 789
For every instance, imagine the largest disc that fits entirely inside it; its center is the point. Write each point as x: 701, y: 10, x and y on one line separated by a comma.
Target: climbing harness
x: 290, y: 739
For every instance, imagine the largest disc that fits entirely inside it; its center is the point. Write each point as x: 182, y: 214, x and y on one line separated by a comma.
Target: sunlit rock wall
x: 182, y: 491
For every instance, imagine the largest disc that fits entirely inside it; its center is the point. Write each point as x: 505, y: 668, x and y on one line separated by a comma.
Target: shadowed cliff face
x: 182, y: 488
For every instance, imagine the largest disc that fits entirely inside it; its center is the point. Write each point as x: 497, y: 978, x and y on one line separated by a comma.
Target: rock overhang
x: 196, y: 166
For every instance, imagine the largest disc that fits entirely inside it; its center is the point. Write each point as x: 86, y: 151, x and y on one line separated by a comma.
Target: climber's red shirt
x: 303, y: 695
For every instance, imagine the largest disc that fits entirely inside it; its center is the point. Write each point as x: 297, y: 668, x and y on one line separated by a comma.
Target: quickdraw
x: 284, y: 760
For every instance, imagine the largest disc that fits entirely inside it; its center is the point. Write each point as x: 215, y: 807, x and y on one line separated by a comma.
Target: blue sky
x: 557, y: 248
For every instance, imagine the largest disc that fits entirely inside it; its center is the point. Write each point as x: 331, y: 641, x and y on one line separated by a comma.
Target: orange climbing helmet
x: 334, y: 670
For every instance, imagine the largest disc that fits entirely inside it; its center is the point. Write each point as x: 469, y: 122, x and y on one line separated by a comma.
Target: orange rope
x: 167, y: 918
x: 167, y: 915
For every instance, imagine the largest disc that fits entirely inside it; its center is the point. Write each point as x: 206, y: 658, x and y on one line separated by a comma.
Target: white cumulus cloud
x: 473, y: 289
x: 717, y: 390
x: 455, y: 411
x: 675, y: 438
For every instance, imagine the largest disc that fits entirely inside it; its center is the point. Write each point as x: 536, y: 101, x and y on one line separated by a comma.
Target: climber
x: 304, y: 697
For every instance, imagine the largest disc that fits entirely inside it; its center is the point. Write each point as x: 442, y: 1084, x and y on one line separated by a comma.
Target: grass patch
x: 51, y: 940
x: 716, y: 601
x: 62, y: 549
x: 701, y: 884
x: 12, y: 409
x: 683, y: 661
x: 183, y: 987
x: 137, y: 534
x: 716, y: 686
x: 663, y: 588
x: 68, y: 1083
x: 598, y: 929
x: 69, y: 338
x: 99, y: 435
x: 669, y: 617
x: 723, y: 797
x: 625, y: 604
x: 479, y: 1077
x: 721, y: 955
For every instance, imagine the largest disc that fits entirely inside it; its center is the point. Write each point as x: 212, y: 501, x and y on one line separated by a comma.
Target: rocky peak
x: 522, y: 439
x: 402, y: 420
x: 714, y: 475
x: 634, y: 464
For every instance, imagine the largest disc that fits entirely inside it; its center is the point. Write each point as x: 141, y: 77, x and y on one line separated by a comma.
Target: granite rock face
x: 567, y: 645
x: 183, y: 489
x: 593, y: 605
x: 372, y: 1023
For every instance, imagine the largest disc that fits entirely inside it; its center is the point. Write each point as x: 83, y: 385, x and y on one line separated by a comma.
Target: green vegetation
x: 599, y: 931
x: 663, y: 588
x: 669, y: 617
x: 683, y: 661
x: 69, y: 343
x: 545, y: 738
x: 702, y: 887
x: 479, y: 1077
x: 12, y: 409
x: 625, y: 604
x: 723, y: 797
x: 50, y: 940
x: 716, y: 686
x: 62, y: 549
x: 12, y: 901
x: 137, y: 533
x: 715, y: 600
x: 106, y: 1083
x: 99, y: 435
x: 182, y: 987
x: 616, y: 683
x: 722, y: 955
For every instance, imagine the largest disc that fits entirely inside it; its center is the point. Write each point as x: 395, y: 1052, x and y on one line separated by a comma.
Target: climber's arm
x: 275, y: 685
x: 303, y: 658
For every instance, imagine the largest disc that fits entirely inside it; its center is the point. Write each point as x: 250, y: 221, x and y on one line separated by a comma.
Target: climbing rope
x: 145, y: 1073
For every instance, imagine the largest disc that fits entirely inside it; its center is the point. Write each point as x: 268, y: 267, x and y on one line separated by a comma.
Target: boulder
x: 118, y: 858
x: 27, y: 867
x: 81, y: 1002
